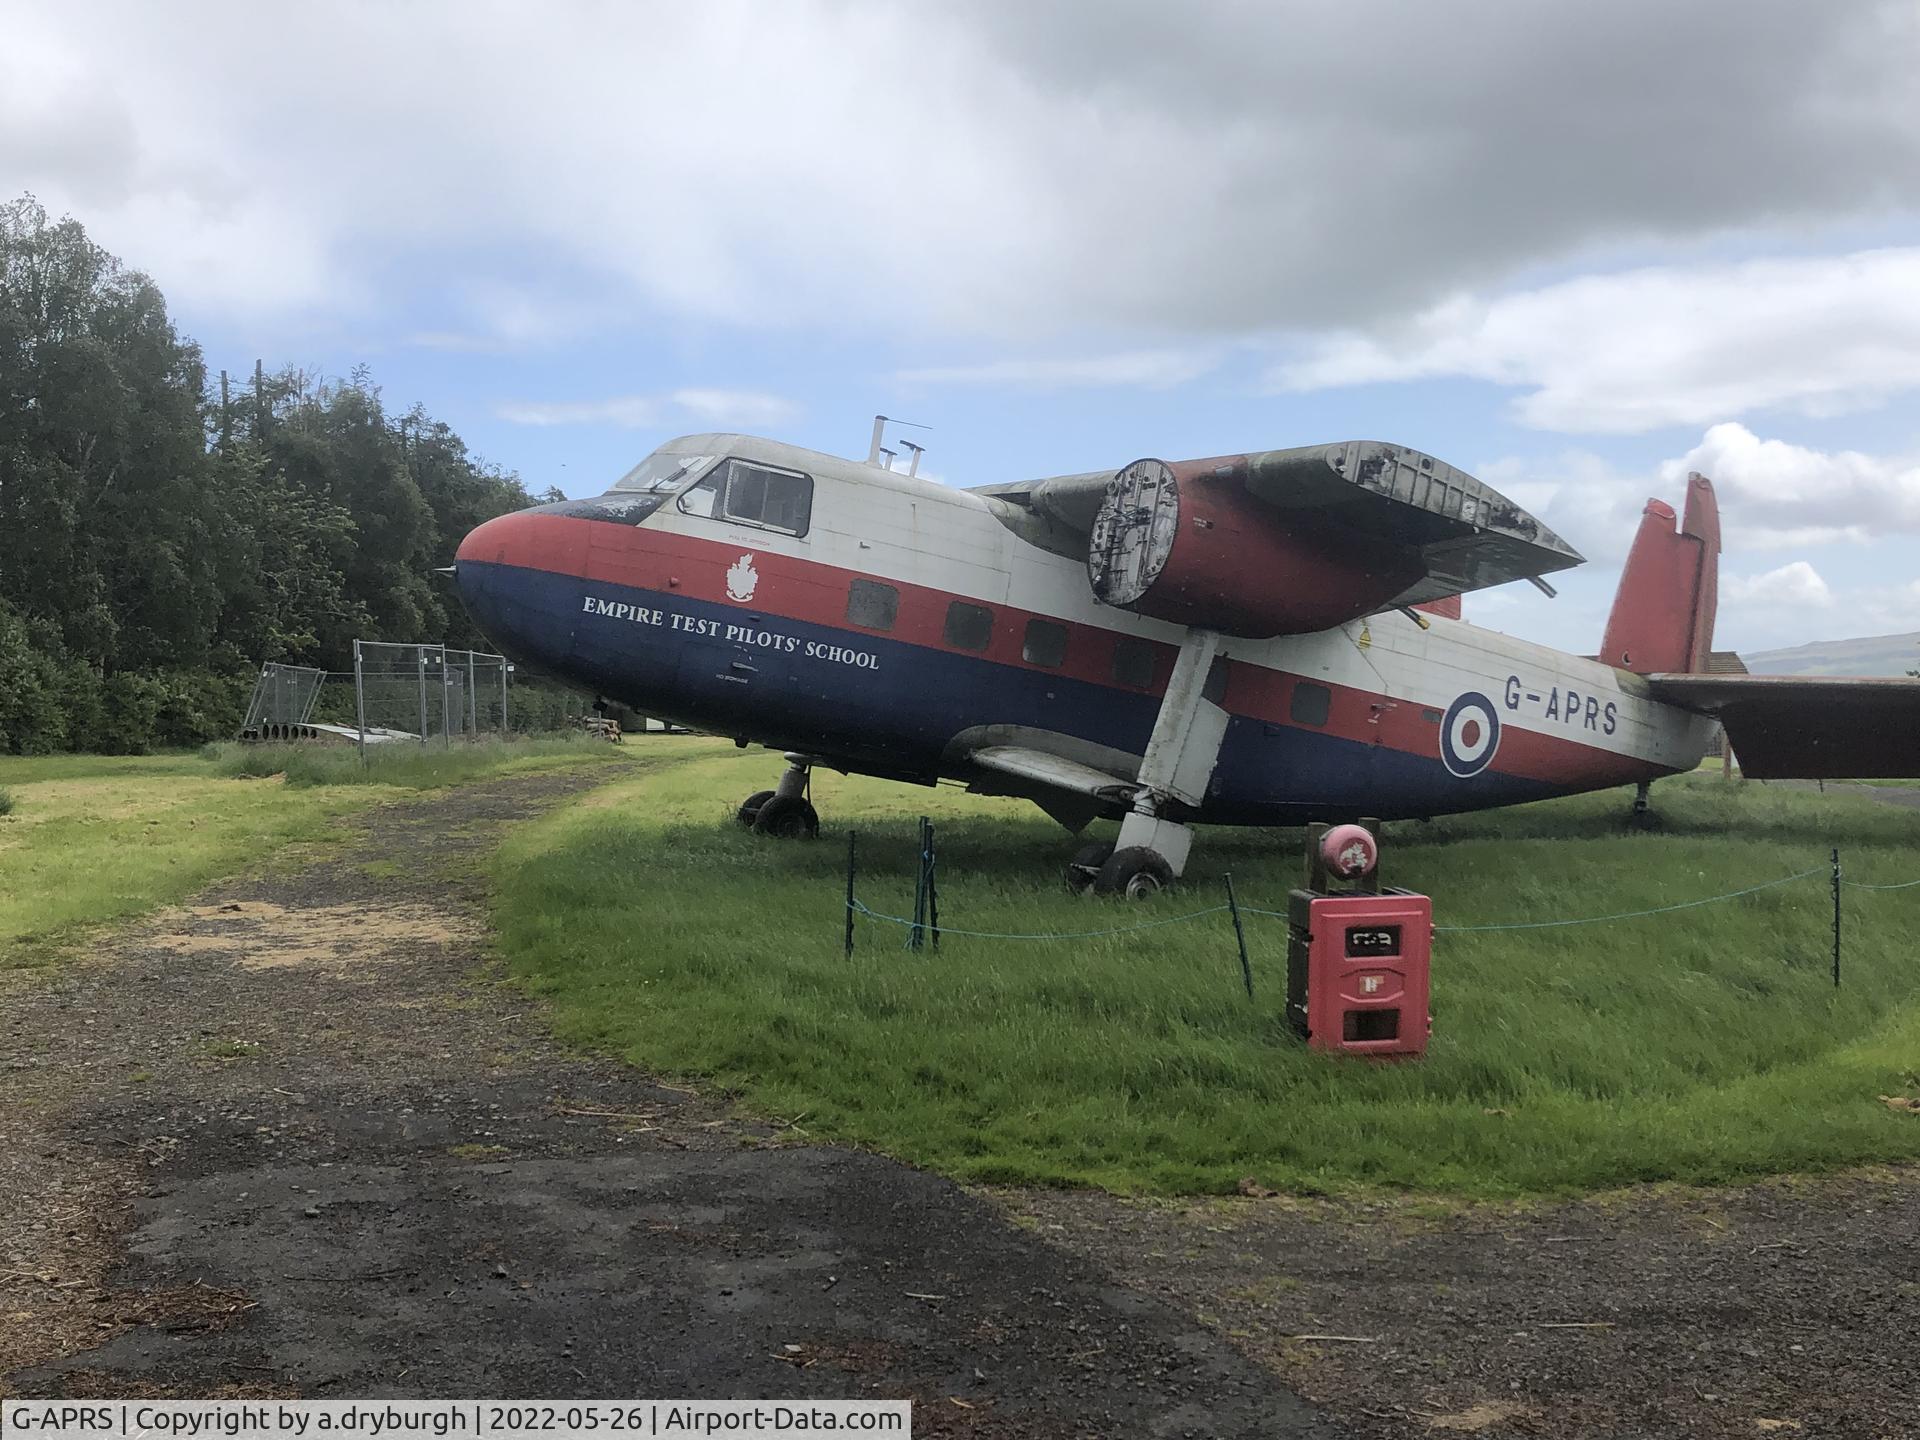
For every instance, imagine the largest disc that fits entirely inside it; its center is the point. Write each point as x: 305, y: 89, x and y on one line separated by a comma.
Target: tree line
x: 160, y: 537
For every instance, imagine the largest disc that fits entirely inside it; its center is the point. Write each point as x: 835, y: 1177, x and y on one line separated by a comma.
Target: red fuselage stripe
x: 807, y: 591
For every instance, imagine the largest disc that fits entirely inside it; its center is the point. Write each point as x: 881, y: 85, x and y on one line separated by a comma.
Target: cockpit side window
x: 698, y: 499
x: 752, y: 494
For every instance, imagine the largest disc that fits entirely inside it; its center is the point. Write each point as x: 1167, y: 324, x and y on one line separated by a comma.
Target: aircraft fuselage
x: 897, y: 626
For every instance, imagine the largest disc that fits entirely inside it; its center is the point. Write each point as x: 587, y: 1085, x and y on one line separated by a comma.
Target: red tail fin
x: 1663, y: 616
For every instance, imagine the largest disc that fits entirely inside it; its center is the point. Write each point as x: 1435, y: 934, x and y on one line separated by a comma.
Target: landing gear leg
x: 1641, y: 817
x: 785, y: 811
x: 1152, y: 849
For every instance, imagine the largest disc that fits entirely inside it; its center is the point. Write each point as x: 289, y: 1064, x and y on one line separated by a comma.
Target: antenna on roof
x: 880, y: 423
x: 918, y: 450
x: 889, y: 456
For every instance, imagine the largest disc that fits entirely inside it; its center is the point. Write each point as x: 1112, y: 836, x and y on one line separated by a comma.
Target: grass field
x: 91, y: 839
x: 407, y: 766
x: 1699, y: 1046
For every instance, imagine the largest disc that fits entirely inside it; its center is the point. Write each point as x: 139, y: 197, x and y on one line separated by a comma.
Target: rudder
x: 1663, y: 614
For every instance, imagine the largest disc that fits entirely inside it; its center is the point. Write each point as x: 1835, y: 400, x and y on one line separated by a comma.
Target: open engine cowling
x: 1186, y: 542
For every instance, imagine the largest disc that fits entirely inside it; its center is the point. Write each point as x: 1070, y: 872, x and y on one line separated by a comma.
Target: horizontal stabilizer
x: 1785, y: 727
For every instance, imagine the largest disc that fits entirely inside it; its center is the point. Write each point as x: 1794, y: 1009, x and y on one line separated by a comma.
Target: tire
x: 787, y: 818
x: 1083, y: 871
x: 749, y: 810
x: 1135, y: 873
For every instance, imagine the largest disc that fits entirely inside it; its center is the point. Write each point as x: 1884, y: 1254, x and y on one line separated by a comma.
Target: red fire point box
x: 1357, y: 971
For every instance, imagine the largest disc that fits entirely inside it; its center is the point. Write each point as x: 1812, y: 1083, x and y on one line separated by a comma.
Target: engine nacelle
x: 1186, y: 542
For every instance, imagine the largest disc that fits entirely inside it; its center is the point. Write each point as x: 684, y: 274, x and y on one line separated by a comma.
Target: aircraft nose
x: 512, y: 572
x: 500, y: 541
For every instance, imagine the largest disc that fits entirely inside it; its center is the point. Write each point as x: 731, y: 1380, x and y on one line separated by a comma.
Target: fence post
x: 473, y: 701
x: 446, y: 718
x: 918, y: 938
x: 1240, y: 936
x: 504, y: 668
x: 359, y: 696
x: 933, y: 887
x: 1836, y: 917
x: 420, y: 664
x: 850, y: 835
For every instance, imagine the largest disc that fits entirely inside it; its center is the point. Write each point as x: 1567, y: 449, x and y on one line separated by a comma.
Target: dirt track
x: 297, y: 1138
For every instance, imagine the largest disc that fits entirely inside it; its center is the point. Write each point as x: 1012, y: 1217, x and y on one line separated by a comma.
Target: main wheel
x: 749, y: 810
x: 787, y: 817
x: 1136, y: 873
x: 1083, y: 871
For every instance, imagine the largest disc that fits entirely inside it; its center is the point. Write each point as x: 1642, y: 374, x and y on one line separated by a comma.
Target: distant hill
x: 1876, y: 655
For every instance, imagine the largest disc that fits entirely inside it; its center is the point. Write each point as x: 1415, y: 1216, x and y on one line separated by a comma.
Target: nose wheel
x: 784, y: 812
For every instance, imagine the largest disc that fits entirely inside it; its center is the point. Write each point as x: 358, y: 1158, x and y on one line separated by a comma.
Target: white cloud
x: 1775, y: 494
x: 1002, y: 169
x: 1145, y: 369
x: 644, y: 412
x: 1885, y: 610
x: 1662, y: 345
x: 1794, y: 586
x: 734, y: 407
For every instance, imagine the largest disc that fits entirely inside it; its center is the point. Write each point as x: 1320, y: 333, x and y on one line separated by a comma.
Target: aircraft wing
x: 1447, y: 531
x: 1786, y: 727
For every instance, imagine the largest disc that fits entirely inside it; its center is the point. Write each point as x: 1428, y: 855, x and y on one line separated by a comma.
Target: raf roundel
x: 1469, y: 735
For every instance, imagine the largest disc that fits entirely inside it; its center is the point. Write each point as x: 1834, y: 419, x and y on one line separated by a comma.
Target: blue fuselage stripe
x: 885, y: 707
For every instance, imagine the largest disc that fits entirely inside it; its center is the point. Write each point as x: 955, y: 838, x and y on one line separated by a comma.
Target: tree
x: 155, y: 547
x: 104, y: 517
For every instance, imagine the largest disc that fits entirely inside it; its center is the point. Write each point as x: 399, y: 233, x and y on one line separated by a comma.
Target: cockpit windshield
x: 660, y: 474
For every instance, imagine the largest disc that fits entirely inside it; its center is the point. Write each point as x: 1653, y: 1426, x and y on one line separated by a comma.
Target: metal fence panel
x: 283, y: 695
x: 428, y: 693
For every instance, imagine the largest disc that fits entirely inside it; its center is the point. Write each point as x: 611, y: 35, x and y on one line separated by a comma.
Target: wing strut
x: 1185, y: 746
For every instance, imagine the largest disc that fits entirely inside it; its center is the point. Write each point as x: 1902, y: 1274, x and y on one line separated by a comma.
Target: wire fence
x: 918, y: 925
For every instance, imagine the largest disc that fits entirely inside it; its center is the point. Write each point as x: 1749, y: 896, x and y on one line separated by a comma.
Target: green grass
x: 1700, y: 1046
x: 410, y: 766
x: 94, y: 838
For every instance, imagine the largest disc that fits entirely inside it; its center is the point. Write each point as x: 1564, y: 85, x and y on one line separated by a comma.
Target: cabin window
x: 969, y: 627
x: 753, y: 495
x: 1311, y: 704
x: 1133, y: 662
x: 1046, y: 643
x: 1216, y: 687
x: 871, y: 605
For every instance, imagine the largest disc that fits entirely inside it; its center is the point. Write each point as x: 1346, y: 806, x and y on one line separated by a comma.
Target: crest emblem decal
x: 742, y: 580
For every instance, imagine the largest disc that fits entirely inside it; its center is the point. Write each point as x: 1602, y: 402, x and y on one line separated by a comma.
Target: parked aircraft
x: 1258, y: 639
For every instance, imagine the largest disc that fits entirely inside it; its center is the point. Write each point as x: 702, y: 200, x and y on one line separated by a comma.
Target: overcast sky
x: 1575, y: 248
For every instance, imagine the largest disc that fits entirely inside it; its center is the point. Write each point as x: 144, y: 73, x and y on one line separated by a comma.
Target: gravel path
x: 299, y: 1138
x: 1787, y: 1308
